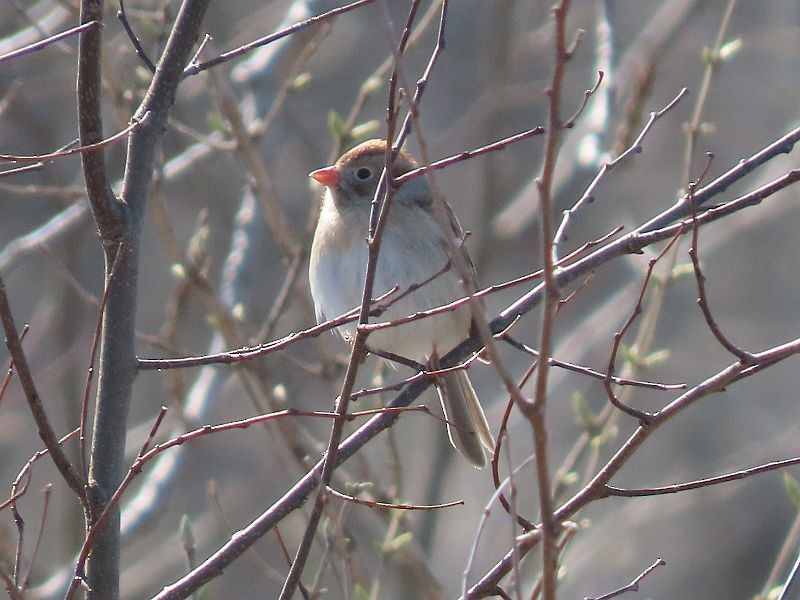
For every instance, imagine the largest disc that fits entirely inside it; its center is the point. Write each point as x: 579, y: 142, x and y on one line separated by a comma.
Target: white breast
x: 411, y: 251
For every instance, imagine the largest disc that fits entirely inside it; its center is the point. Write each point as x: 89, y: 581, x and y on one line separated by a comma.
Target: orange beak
x: 327, y: 176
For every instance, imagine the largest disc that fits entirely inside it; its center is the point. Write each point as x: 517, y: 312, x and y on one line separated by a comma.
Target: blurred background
x: 211, y: 208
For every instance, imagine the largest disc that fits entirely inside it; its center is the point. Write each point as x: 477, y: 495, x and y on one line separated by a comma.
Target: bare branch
x: 702, y: 300
x: 65, y: 467
x: 394, y: 506
x: 196, y: 68
x: 535, y: 412
x: 588, y: 195
x: 596, y: 488
x: 610, y: 490
x: 137, y: 45
x: 50, y: 40
x: 462, y: 156
x: 643, y: 416
x: 633, y: 586
x: 101, y: 197
x: 43, y: 158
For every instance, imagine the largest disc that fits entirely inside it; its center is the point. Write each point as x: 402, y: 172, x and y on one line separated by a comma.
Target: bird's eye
x: 363, y: 173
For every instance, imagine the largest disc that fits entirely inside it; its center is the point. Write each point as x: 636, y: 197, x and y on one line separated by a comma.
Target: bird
x: 414, y: 250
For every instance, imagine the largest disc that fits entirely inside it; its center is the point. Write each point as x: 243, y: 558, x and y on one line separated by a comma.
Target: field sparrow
x: 413, y: 248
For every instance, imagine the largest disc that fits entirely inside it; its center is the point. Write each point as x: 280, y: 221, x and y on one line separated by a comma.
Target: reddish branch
x: 461, y: 156
x: 535, y: 411
x: 598, y: 487
x: 702, y: 298
x: 17, y: 488
x: 633, y: 149
x: 51, y: 442
x: 69, y: 151
x: 195, y: 68
x: 608, y: 382
x: 610, y: 490
x: 10, y: 371
x: 379, y: 213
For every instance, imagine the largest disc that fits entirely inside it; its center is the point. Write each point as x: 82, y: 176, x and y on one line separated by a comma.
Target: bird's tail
x: 466, y: 422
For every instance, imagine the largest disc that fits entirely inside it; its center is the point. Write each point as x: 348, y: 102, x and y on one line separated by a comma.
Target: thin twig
x: 282, y: 297
x: 16, y: 491
x: 713, y: 62
x: 20, y: 170
x: 270, y: 572
x: 535, y: 412
x: 88, y: 148
x: 195, y: 68
x: 47, y: 493
x: 101, y: 520
x: 643, y: 416
x: 482, y: 523
x: 392, y: 505
x: 39, y: 164
x: 137, y: 45
x: 699, y: 483
x: 421, y: 375
x: 569, y: 123
x: 589, y: 372
x: 289, y: 84
x: 588, y: 195
x: 702, y: 299
x: 49, y: 40
x: 467, y: 154
x: 501, y: 435
x: 633, y: 586
x: 512, y: 510
x: 10, y: 371
x: 596, y: 487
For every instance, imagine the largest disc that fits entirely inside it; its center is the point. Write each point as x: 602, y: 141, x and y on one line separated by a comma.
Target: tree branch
x: 65, y: 467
